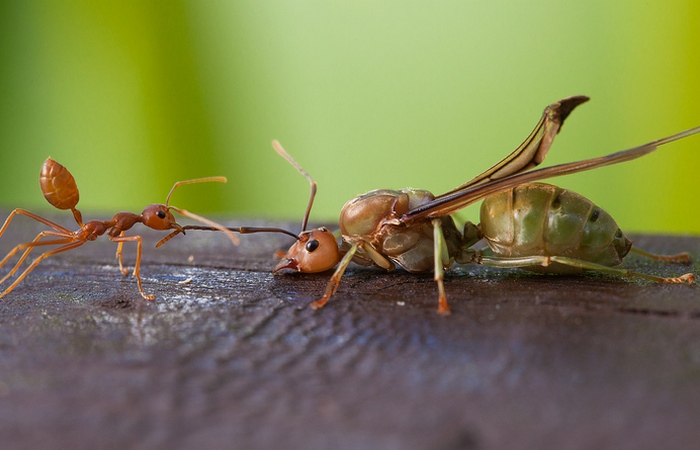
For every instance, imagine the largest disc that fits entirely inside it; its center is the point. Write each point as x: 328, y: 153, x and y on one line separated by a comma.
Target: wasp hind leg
x: 679, y: 258
x: 544, y: 261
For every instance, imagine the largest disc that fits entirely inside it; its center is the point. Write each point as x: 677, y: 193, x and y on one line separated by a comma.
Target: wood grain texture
x: 234, y: 359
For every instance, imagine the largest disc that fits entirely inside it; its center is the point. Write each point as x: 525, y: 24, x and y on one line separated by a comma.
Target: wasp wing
x: 447, y: 204
x: 534, y: 149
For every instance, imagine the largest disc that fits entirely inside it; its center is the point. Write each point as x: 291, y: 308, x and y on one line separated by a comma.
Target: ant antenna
x: 196, y: 180
x: 280, y: 150
x: 191, y: 215
x: 242, y: 230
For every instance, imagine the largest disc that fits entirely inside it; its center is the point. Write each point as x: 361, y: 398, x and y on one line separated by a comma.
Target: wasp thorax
x: 314, y: 251
x: 363, y: 215
x: 58, y: 185
x: 159, y: 217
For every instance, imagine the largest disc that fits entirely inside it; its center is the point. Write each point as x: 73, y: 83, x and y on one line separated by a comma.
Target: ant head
x: 314, y: 251
x: 159, y: 217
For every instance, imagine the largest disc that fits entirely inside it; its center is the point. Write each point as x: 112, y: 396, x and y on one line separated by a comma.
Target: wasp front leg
x: 334, y: 282
x: 368, y: 251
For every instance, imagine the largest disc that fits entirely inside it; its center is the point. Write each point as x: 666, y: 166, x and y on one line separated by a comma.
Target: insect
x: 61, y: 191
x: 413, y: 228
x: 544, y: 228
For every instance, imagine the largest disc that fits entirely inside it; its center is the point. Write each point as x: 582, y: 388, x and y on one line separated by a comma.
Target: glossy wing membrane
x: 458, y: 199
x: 533, y: 150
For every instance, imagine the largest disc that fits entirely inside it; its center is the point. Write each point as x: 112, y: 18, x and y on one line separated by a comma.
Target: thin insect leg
x: 137, y: 266
x: 29, y: 247
x: 334, y: 282
x: 377, y: 258
x: 175, y: 233
x: 680, y: 258
x: 35, y: 243
x: 442, y: 259
x: 36, y: 217
x: 545, y: 261
x: 120, y: 258
x: 41, y: 257
x: 687, y: 278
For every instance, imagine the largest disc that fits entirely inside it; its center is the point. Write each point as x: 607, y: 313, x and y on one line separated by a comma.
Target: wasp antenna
x: 196, y: 180
x: 280, y: 150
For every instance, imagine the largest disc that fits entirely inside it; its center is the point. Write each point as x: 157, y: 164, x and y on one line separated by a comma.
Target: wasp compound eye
x: 311, y: 245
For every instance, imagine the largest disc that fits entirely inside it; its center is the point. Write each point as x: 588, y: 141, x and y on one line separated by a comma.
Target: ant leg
x: 41, y: 257
x: 120, y: 239
x: 29, y: 246
x: 680, y: 258
x: 334, y: 282
x: 442, y: 260
x: 124, y: 270
x: 175, y: 233
x: 545, y: 261
x: 36, y: 217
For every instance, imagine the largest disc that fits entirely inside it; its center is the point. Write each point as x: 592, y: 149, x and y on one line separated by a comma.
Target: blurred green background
x: 132, y: 96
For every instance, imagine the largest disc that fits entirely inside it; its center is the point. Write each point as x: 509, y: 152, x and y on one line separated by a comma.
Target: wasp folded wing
x: 534, y: 149
x: 456, y: 200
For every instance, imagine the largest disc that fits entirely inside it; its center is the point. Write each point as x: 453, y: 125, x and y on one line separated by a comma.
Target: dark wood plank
x: 233, y: 358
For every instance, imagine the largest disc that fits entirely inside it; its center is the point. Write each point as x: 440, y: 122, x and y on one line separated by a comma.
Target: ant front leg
x: 121, y: 239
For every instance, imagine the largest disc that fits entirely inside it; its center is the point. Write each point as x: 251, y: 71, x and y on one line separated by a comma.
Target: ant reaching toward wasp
x: 61, y: 191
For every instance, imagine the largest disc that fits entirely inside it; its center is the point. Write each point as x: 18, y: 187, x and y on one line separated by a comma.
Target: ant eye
x: 311, y: 245
x: 160, y: 214
x: 618, y: 233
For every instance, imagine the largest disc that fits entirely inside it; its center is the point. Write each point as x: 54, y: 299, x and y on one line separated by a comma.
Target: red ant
x: 60, y: 189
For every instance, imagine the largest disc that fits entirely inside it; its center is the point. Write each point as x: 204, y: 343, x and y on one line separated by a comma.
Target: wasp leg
x: 334, y: 282
x: 545, y: 261
x: 680, y: 258
x: 119, y: 239
x: 442, y: 260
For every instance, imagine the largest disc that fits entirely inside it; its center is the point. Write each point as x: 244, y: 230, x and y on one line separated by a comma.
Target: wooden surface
x: 228, y: 356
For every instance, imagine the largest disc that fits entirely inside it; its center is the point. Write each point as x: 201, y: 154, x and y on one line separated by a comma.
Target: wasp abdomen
x: 542, y: 219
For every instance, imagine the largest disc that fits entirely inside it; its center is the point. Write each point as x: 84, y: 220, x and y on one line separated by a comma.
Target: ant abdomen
x: 58, y: 185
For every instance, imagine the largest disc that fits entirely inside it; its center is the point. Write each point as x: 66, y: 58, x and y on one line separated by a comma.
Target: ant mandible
x: 61, y: 191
